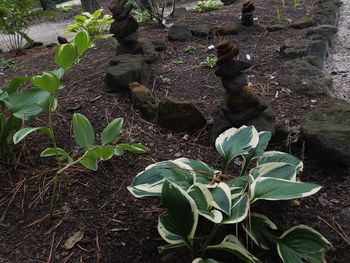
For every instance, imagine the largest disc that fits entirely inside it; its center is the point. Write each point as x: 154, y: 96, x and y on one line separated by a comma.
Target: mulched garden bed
x: 117, y: 227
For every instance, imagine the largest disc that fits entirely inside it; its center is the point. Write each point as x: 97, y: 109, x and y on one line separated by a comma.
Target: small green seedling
x: 178, y: 61
x: 208, y: 5
x: 165, y: 80
x: 190, y: 49
x: 210, y: 61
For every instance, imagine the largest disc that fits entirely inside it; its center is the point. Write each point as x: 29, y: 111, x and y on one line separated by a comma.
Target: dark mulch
x: 119, y: 228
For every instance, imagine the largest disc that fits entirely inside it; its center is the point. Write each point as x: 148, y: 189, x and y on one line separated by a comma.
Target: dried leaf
x: 75, y: 238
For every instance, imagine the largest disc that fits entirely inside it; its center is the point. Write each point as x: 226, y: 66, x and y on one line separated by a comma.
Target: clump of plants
x: 142, y: 15
x: 7, y: 63
x: 190, y: 49
x: 202, y: 202
x: 210, y: 61
x: 207, y: 5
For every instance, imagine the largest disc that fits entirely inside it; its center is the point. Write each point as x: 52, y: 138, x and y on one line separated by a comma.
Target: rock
x: 180, y: 12
x: 201, y: 30
x: 121, y: 29
x: 326, y: 31
x: 328, y: 13
x: 120, y: 76
x: 62, y: 40
x: 327, y: 131
x: 295, y: 48
x: 147, y: 49
x: 247, y: 18
x: 144, y: 100
x: 119, y: 9
x: 236, y: 84
x: 127, y: 58
x: 226, y: 28
x: 179, y: 32
x: 129, y: 40
x: 274, y: 28
x: 303, y: 22
x: 228, y: 2
x: 159, y: 45
x: 180, y: 116
x: 231, y: 68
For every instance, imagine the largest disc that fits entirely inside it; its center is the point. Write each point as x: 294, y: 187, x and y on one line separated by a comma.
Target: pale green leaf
x: 47, y: 81
x: 112, y: 131
x: 201, y: 260
x: 134, y: 148
x: 66, y: 55
x: 275, y: 170
x: 276, y: 156
x: 24, y: 132
x: 222, y: 198
x: 82, y: 41
x: 83, y: 131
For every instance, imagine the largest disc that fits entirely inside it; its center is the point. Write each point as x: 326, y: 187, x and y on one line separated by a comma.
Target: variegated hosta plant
x: 191, y: 190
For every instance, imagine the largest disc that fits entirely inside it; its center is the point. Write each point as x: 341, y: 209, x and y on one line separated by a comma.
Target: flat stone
x: 144, y: 100
x: 292, y: 48
x: 274, y: 28
x: 121, y: 29
x: 129, y: 40
x: 235, y: 85
x: 327, y: 31
x: 201, y: 30
x: 226, y: 28
x: 179, y: 32
x: 228, y: 2
x: 231, y: 69
x: 127, y: 58
x: 180, y: 12
x: 303, y: 22
x: 327, y: 131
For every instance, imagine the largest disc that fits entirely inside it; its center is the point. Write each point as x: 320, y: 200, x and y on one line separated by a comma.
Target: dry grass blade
x: 338, y: 229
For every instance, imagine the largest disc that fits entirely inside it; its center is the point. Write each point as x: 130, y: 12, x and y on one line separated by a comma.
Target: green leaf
x: 302, y: 244
x: 112, y: 131
x: 182, y: 214
x: 97, y: 13
x: 266, y: 188
x: 16, y: 83
x: 275, y: 156
x: 204, y: 174
x: 264, y: 138
x: 134, y: 148
x: 118, y: 151
x: 235, y: 142
x: 66, y: 55
x: 103, y: 152
x: 24, y: 132
x: 257, y: 227
x: 231, y: 245
x: 275, y: 170
x: 90, y: 161
x: 239, y: 210
x: 238, y: 184
x: 83, y: 131
x: 55, y: 152
x: 47, y: 81
x: 150, y: 181
x: 200, y: 260
x: 59, y: 72
x: 222, y: 198
x: 204, y: 200
x: 82, y: 41
x: 49, y: 104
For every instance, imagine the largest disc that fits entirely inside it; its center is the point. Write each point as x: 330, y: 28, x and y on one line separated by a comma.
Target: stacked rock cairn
x: 241, y: 106
x: 247, y: 13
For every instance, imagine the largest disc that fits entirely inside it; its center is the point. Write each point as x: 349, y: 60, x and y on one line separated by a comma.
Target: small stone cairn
x: 247, y: 13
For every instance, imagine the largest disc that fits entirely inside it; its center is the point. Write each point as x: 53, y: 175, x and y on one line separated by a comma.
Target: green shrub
x: 142, y: 15
x: 194, y: 194
x: 207, y: 5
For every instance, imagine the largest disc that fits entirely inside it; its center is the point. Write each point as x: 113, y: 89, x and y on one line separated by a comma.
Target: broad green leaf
x: 47, y: 81
x: 264, y: 138
x: 82, y: 41
x: 49, y: 104
x: 275, y: 170
x: 83, y: 131
x: 235, y: 142
x: 97, y: 13
x: 53, y: 152
x: 134, y: 148
x: 59, y: 72
x: 257, y: 227
x: 90, y: 161
x: 266, y: 188
x: 233, y: 246
x: 112, y: 131
x: 275, y: 156
x: 16, y: 83
x: 302, y: 244
x: 204, y: 174
x: 102, y: 37
x: 118, y: 151
x: 103, y: 152
x: 238, y: 184
x: 239, y: 210
x: 182, y: 214
x: 200, y: 260
x: 150, y: 181
x: 22, y: 133
x: 222, y: 198
x: 203, y: 199
x: 66, y: 55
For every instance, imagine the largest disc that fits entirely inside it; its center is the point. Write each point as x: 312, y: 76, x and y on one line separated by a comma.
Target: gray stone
x: 121, y: 29
x: 326, y: 31
x: 201, y: 30
x: 292, y: 48
x: 127, y: 58
x: 180, y: 116
x: 180, y: 12
x: 227, y: 28
x: 328, y: 13
x: 144, y: 100
x: 143, y: 46
x: 159, y: 45
x: 179, y: 32
x: 274, y: 28
x: 327, y: 131
x: 303, y: 22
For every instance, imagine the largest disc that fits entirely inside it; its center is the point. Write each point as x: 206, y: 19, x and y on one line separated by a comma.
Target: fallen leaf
x: 70, y: 242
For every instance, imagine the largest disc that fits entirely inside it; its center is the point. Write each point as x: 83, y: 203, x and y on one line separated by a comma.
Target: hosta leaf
x: 59, y: 72
x: 150, y: 181
x: 203, y: 199
x: 302, y: 244
x: 280, y: 189
x: 233, y: 246
x: 235, y: 142
x: 118, y: 151
x: 103, y: 152
x: 200, y: 260
x: 112, y: 131
x: 222, y: 198
x: 239, y: 184
x: 257, y: 227
x: 204, y: 174
x: 47, y: 81
x: 53, y: 152
x: 264, y: 138
x: 49, y: 104
x: 24, y: 132
x: 66, y: 55
x: 275, y: 156
x: 275, y: 170
x: 182, y: 214
x: 16, y: 83
x: 239, y: 210
x: 83, y: 131
x: 82, y: 41
x: 90, y: 161
x: 134, y: 148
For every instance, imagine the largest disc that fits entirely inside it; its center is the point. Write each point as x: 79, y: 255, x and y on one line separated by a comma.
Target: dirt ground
x: 117, y: 227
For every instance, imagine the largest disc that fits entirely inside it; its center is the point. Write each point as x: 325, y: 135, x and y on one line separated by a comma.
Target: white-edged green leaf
x: 59, y: 72
x: 266, y: 188
x: 222, y: 198
x: 134, y: 148
x: 275, y: 170
x: 162, y: 249
x: 203, y: 199
x: 82, y: 41
x: 204, y: 173
x: 66, y: 55
x: 239, y: 210
x: 235, y: 142
x: 15, y: 84
x: 24, y: 132
x: 90, y: 161
x: 276, y: 156
x: 302, y: 244
x: 264, y: 138
x: 83, y: 131
x: 150, y: 181
x: 47, y: 81
x: 182, y: 214
x: 231, y: 245
x: 238, y: 184
x: 112, y: 131
x: 118, y: 151
x: 103, y: 152
x: 257, y: 227
x: 53, y: 152
x: 49, y: 104
x: 201, y: 260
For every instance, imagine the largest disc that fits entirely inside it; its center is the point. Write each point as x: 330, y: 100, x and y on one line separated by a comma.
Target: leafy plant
x: 210, y: 61
x: 142, y: 15
x: 190, y: 49
x: 96, y: 25
x: 194, y: 194
x: 165, y: 80
x: 207, y: 5
x: 7, y: 63
x: 178, y: 61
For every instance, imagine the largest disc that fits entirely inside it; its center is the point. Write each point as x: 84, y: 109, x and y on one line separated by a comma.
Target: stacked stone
x: 247, y: 13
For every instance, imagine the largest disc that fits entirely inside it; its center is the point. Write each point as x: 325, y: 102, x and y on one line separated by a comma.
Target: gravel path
x: 338, y: 64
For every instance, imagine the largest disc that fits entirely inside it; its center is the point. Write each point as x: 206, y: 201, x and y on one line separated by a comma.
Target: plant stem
x: 224, y: 169
x: 210, y: 238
